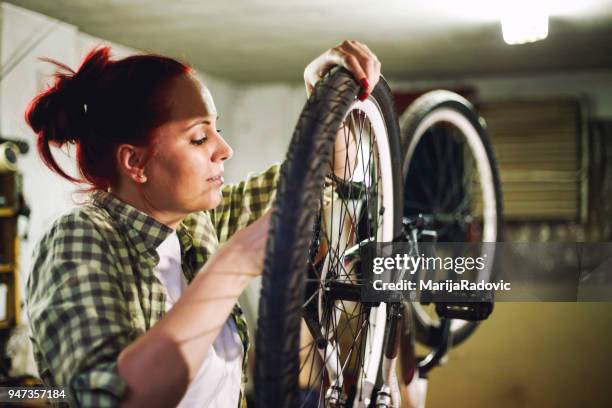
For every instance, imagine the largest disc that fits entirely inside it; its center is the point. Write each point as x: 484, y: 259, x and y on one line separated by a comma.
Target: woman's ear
x: 131, y: 162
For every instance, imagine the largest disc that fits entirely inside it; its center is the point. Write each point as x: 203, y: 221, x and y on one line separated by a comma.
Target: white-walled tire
x: 437, y: 128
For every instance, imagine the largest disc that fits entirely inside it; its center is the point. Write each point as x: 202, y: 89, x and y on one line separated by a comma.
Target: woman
x: 132, y: 297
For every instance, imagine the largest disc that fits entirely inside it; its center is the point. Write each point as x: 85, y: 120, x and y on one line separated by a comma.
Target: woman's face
x: 185, y: 173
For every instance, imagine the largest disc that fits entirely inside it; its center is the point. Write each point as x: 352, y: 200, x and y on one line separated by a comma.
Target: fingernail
x: 363, y: 96
x: 364, y: 83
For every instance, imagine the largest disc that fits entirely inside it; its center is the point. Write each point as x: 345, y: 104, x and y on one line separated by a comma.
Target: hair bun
x: 84, y: 82
x: 59, y: 114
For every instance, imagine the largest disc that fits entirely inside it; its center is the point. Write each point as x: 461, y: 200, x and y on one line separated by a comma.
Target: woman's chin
x: 213, y: 200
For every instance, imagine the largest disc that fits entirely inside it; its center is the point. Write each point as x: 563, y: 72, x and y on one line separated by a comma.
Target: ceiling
x: 271, y: 40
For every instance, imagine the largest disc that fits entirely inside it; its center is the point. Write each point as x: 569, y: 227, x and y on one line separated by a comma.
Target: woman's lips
x: 216, y: 179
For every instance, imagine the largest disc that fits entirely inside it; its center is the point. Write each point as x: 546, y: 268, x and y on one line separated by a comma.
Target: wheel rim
x: 351, y: 369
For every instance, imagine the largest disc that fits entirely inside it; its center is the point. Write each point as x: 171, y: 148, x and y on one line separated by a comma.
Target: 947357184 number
x: 8, y: 394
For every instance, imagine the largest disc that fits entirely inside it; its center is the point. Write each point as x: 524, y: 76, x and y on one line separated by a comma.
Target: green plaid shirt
x: 92, y: 290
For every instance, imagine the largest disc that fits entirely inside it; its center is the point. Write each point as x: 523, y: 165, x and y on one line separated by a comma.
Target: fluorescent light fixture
x: 524, y: 24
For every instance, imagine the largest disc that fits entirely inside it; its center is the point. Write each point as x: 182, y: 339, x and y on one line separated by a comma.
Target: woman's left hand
x: 352, y: 55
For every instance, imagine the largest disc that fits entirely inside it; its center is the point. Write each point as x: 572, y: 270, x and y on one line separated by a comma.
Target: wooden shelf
x: 4, y: 268
x: 7, y: 212
x: 9, y: 242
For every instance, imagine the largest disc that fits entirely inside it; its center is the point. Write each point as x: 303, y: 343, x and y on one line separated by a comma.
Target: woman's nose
x: 223, y: 151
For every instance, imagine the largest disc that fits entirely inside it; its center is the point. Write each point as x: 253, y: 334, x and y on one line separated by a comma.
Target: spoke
x: 322, y: 370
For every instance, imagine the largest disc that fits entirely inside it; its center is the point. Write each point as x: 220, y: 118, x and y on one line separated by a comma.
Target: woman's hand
x: 352, y: 55
x: 244, y: 252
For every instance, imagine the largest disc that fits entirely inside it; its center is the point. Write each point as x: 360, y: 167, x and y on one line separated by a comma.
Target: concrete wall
x: 264, y: 118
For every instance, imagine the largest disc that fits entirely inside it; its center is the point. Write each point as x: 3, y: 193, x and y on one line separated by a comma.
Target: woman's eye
x: 199, y: 141
x: 218, y: 130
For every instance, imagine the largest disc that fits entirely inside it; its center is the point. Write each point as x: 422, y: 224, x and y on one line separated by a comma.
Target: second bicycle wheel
x: 340, y: 187
x: 452, y: 187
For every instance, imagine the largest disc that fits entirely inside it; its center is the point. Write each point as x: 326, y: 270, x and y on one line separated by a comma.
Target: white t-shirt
x: 217, y: 382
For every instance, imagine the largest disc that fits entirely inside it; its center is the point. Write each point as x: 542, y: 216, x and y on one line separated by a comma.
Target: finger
x: 372, y: 65
x: 364, y: 58
x: 374, y: 74
x: 368, y: 50
x: 376, y: 65
x: 351, y: 62
x: 368, y: 63
x: 348, y: 60
x: 356, y: 48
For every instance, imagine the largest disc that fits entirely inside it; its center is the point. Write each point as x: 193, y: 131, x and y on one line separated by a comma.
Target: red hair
x: 103, y: 104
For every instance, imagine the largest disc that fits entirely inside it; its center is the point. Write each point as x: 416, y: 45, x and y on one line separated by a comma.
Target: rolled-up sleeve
x: 78, y: 315
x: 245, y: 202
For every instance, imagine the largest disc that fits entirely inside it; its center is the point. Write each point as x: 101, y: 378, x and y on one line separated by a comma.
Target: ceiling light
x: 525, y: 24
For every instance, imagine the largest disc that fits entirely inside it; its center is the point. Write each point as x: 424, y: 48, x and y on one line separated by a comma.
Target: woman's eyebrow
x: 200, y: 121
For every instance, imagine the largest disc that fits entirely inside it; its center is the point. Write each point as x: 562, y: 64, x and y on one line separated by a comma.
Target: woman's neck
x: 135, y: 197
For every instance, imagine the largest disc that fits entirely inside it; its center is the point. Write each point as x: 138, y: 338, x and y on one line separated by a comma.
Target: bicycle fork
x: 389, y: 394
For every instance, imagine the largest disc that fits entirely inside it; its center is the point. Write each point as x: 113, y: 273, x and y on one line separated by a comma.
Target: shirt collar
x: 185, y: 237
x: 138, y: 224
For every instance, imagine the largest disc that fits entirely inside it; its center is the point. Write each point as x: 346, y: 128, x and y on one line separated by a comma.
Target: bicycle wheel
x: 451, y: 183
x: 314, y: 334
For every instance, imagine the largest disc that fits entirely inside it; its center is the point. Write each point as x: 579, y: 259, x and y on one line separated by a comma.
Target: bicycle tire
x: 287, y: 249
x: 428, y: 332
